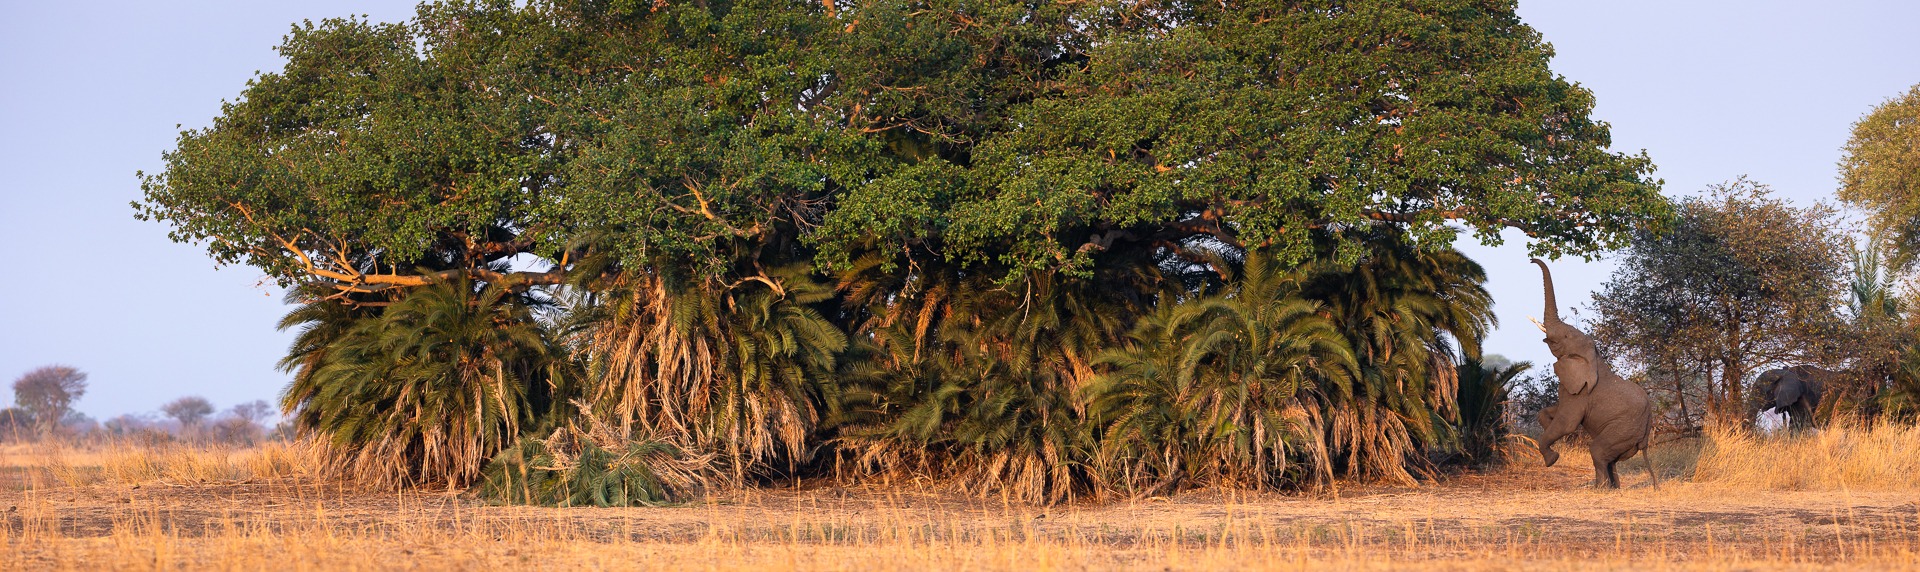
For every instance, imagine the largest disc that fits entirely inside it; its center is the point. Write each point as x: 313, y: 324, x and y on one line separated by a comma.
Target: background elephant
x: 1616, y: 413
x: 1795, y: 391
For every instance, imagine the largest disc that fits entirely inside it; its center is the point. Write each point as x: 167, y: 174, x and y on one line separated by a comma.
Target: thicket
x: 615, y: 252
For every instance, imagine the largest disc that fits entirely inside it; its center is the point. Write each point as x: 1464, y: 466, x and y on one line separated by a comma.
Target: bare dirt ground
x: 1524, y: 517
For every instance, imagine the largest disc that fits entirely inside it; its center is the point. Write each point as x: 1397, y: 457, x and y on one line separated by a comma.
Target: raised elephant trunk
x: 1553, y: 308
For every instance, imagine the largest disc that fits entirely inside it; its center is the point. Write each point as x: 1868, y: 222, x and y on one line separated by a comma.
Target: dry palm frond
x: 1397, y: 307
x: 734, y: 370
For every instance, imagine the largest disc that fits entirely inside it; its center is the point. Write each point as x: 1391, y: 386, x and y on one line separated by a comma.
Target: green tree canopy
x: 1881, y: 172
x: 1011, y: 136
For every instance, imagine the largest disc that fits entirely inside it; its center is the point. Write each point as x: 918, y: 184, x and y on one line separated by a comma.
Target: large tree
x: 1881, y: 172
x: 999, y: 189
x: 1743, y: 281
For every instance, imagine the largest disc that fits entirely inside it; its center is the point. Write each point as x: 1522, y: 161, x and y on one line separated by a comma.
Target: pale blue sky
x: 91, y: 92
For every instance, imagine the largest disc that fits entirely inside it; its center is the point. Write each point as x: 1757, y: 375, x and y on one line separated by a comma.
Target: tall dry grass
x: 1843, y: 456
x: 119, y: 463
x: 314, y: 537
x: 1718, y: 526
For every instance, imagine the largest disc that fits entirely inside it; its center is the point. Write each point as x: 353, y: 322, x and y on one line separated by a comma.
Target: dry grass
x: 1879, y: 457
x: 255, y: 510
x: 41, y: 465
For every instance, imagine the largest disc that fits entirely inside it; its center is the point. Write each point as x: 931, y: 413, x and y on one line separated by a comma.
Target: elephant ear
x: 1787, y: 391
x: 1767, y: 381
x: 1577, y: 358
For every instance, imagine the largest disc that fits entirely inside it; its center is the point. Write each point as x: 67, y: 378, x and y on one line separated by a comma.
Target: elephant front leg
x: 1799, y: 416
x: 1556, y: 427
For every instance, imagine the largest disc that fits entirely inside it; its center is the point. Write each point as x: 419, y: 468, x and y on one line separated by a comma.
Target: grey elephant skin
x: 1795, y: 391
x: 1616, y: 413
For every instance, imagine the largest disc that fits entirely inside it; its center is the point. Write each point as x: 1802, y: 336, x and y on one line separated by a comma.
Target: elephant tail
x: 1652, y: 475
x: 1646, y: 449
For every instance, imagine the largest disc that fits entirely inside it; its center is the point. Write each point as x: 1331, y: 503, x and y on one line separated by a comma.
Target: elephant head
x: 1794, y: 390
x: 1780, y: 388
x: 1576, y: 358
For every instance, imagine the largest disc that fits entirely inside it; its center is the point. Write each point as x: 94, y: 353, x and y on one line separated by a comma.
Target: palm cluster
x: 1158, y: 370
x: 426, y: 390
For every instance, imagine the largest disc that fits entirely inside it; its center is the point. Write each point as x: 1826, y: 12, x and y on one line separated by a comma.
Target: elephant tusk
x: 1537, y: 324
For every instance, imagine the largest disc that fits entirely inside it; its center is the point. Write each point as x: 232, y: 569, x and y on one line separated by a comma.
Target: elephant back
x: 1816, y: 378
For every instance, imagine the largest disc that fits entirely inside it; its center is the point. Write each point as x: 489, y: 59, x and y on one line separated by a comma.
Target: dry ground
x: 62, y: 513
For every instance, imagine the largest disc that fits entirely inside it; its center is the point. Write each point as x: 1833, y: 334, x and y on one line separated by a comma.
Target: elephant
x: 1795, y: 391
x: 1616, y: 414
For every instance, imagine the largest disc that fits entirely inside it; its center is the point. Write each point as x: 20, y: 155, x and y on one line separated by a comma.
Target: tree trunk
x: 1712, y: 394
x: 1680, y: 394
x: 1733, y: 375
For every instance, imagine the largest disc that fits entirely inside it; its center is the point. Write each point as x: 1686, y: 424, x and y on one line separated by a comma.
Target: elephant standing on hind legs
x: 1616, y: 413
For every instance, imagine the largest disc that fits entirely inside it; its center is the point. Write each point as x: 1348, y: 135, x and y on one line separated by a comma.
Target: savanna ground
x: 1845, y: 499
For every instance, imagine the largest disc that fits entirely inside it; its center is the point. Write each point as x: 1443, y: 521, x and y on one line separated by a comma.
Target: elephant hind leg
x: 1604, y: 475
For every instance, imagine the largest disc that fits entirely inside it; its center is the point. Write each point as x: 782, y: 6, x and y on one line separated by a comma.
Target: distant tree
x: 77, y: 423
x: 234, y: 429
x: 48, y: 394
x: 189, y: 411
x: 126, y: 424
x: 241, y: 424
x: 1881, y: 172
x: 1743, y: 281
x: 253, y: 411
x: 137, y: 428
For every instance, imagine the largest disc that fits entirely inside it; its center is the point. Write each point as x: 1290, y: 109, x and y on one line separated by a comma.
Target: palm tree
x: 960, y: 376
x: 1482, y: 398
x: 1885, y: 373
x: 1402, y: 308
x: 1206, y: 390
x: 739, y: 368
x: 427, y: 391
